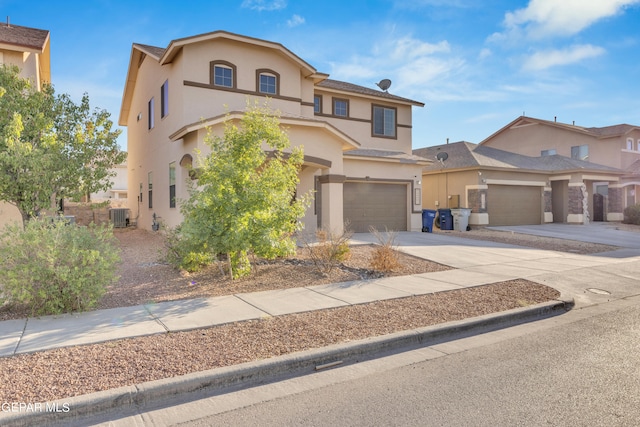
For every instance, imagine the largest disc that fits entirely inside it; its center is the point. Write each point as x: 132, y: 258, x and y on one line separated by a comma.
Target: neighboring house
x: 616, y: 146
x: 117, y: 194
x: 505, y: 188
x: 356, y: 140
x: 27, y: 48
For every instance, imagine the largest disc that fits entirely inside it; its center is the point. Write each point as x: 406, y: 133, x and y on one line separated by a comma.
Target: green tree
x: 245, y: 199
x: 51, y: 147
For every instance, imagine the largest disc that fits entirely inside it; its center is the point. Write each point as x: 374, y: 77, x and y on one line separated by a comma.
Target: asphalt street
x: 580, y: 370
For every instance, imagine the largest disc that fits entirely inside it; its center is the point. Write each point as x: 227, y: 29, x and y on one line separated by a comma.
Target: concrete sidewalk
x: 476, y: 263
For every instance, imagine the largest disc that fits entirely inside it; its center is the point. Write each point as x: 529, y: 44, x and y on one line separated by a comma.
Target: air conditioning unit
x: 119, y: 217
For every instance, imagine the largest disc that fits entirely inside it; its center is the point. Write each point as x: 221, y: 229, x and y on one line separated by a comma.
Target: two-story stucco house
x: 28, y: 49
x: 615, y: 146
x: 356, y: 140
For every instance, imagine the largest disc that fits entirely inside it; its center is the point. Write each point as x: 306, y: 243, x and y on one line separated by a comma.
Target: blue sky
x: 476, y: 65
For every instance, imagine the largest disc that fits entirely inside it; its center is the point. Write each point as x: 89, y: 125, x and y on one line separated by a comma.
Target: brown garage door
x: 514, y: 205
x: 380, y: 205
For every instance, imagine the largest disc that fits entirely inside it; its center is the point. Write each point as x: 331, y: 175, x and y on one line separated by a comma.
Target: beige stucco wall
x: 359, y: 126
x: 438, y: 189
x: 9, y: 214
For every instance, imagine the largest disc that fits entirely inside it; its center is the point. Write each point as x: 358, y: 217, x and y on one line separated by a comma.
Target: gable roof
x: 594, y: 132
x: 466, y: 155
x: 168, y: 54
x: 23, y: 39
x: 336, y: 85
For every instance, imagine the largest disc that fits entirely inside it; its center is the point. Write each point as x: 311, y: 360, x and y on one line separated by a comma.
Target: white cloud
x: 295, y: 21
x: 261, y: 5
x: 551, y: 58
x: 412, y: 64
x: 408, y: 48
x: 485, y: 53
x: 547, y: 18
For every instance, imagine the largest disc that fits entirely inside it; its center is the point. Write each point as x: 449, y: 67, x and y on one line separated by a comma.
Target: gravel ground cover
x: 66, y: 372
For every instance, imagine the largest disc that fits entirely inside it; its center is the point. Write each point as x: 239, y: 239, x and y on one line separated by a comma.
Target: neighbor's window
x: 164, y: 99
x: 267, y: 83
x: 340, y: 107
x: 140, y: 197
x: 384, y: 121
x: 550, y: 152
x: 150, y: 181
x: 172, y: 184
x: 317, y: 104
x: 222, y: 75
x: 151, y: 111
x: 580, y: 152
x: 629, y: 143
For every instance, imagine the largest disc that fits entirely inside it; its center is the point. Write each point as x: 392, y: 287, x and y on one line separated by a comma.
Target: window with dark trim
x: 150, y: 181
x: 340, y: 107
x: 384, y: 121
x: 268, y: 83
x: 140, y: 197
x: 317, y: 104
x: 164, y: 99
x: 223, y: 74
x: 172, y: 184
x: 151, y: 112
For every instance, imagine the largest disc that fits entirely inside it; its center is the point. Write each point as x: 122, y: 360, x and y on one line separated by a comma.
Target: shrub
x: 330, y: 249
x: 385, y: 256
x: 53, y: 267
x: 632, y: 215
x: 184, y: 253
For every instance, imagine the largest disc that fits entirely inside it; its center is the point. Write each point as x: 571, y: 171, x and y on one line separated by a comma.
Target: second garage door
x: 514, y: 205
x: 376, y: 204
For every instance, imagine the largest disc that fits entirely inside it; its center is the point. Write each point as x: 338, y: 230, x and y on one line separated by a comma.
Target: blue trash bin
x: 446, y: 219
x: 428, y: 216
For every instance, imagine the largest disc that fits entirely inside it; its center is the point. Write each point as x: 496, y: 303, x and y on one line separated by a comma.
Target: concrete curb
x: 129, y: 399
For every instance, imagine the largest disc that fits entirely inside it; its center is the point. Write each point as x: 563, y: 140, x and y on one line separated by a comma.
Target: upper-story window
x: 340, y: 107
x: 549, y: 152
x: 317, y: 104
x: 164, y: 99
x: 580, y: 152
x: 384, y: 121
x: 638, y: 144
x: 268, y: 82
x: 151, y: 111
x: 223, y: 74
x: 630, y: 143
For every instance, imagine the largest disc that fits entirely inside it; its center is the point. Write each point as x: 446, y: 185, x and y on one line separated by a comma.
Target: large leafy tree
x: 51, y: 147
x: 245, y: 199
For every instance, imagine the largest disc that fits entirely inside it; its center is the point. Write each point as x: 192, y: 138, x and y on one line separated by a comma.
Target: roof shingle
x: 23, y: 37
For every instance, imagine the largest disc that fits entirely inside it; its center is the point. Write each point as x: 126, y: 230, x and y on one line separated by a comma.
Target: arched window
x: 268, y: 82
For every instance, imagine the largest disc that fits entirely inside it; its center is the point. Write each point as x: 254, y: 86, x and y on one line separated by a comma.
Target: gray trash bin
x: 461, y: 218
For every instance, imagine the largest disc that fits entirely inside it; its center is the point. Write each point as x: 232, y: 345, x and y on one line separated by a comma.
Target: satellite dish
x: 384, y: 84
x: 442, y: 156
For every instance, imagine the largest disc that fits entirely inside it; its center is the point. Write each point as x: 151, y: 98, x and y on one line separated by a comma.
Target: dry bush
x: 385, y: 257
x: 329, y: 249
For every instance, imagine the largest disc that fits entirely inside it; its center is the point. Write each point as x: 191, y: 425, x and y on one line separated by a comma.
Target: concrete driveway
x: 596, y: 232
